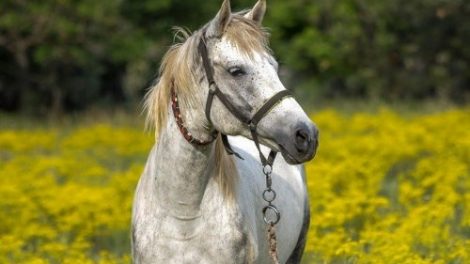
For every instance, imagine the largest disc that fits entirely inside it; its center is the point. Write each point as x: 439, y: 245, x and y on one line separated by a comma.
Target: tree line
x: 65, y: 55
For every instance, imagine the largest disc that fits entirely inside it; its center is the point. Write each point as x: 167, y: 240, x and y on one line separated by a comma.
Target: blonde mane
x: 180, y: 68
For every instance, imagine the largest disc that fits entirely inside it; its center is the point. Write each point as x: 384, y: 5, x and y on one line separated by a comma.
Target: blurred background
x: 58, y: 56
x: 387, y: 82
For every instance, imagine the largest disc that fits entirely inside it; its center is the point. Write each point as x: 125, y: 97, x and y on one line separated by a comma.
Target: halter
x: 251, y: 122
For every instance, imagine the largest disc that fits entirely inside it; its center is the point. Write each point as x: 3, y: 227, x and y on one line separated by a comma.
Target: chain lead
x: 269, y: 195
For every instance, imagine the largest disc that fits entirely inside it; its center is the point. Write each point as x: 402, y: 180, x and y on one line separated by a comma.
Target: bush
x: 67, y: 55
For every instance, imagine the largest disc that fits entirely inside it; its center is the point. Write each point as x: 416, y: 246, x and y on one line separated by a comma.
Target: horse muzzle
x: 301, y: 144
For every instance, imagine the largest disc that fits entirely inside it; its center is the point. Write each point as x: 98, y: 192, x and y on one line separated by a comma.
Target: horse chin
x: 293, y: 159
x: 268, y: 142
x: 272, y: 144
x: 288, y: 157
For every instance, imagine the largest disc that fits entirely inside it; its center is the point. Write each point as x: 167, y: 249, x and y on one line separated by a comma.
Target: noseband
x: 251, y: 122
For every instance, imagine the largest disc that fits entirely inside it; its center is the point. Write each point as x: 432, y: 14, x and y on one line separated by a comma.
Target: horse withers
x: 196, y: 203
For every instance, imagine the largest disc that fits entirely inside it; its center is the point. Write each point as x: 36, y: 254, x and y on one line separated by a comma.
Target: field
x: 385, y: 188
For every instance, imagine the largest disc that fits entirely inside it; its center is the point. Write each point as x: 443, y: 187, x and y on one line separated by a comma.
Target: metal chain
x: 269, y: 195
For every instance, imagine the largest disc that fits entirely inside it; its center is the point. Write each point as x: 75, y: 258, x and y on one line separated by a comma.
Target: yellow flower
x: 384, y: 188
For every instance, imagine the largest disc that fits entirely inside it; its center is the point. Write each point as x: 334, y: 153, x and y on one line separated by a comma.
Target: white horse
x: 195, y: 203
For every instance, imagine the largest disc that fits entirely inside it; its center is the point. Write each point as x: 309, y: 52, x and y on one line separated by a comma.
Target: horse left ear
x: 257, y: 13
x: 220, y: 22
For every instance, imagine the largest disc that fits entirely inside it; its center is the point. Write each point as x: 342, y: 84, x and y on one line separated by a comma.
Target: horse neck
x: 182, y: 171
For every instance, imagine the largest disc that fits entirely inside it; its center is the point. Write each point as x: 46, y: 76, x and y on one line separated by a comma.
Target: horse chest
x: 218, y: 236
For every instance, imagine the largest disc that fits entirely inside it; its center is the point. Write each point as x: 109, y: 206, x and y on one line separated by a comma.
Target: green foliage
x: 67, y: 54
x: 380, y: 49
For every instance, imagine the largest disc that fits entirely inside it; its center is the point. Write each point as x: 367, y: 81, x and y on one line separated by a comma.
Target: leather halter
x: 252, y: 122
x: 214, y: 91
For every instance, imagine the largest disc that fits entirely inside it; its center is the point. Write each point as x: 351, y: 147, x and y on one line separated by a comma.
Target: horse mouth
x: 287, y: 156
x: 272, y: 144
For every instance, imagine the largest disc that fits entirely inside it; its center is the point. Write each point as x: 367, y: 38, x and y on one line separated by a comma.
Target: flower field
x: 384, y: 188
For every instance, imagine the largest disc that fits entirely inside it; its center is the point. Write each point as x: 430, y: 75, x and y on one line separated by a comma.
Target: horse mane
x: 181, y: 68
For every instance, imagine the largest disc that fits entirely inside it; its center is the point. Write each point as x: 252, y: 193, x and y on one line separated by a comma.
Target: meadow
x: 385, y: 187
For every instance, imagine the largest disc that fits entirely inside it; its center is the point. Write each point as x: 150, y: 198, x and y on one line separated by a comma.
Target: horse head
x: 246, y: 73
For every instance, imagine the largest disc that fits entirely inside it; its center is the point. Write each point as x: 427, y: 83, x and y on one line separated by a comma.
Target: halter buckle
x: 267, y: 169
x: 212, y: 87
x: 252, y: 126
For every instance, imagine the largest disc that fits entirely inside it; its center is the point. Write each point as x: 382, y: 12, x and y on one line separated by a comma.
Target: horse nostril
x: 302, y: 140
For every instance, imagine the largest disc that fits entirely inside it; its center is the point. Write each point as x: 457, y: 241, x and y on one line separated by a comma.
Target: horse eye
x: 236, y: 71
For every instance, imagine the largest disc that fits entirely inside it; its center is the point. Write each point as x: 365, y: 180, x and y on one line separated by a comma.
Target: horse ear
x: 219, y: 23
x: 257, y: 13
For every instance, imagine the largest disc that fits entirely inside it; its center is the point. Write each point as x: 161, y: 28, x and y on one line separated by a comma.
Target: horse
x: 210, y: 192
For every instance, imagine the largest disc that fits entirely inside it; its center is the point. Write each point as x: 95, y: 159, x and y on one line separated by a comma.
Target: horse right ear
x: 257, y: 13
x: 218, y: 25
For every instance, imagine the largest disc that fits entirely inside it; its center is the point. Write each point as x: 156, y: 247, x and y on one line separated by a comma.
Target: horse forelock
x: 247, y: 36
x: 180, y: 69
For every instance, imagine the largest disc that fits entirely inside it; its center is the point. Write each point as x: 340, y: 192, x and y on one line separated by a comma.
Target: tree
x: 60, y: 55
